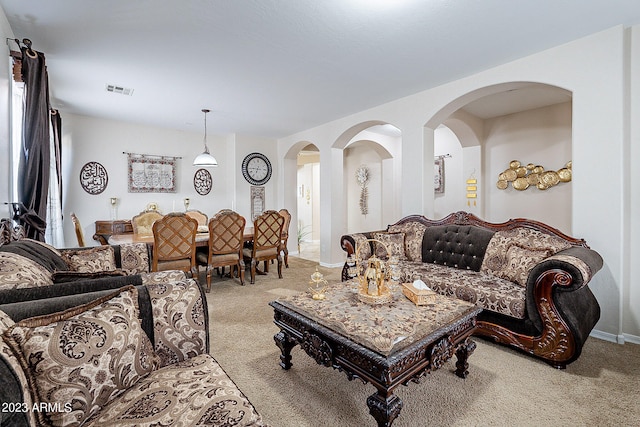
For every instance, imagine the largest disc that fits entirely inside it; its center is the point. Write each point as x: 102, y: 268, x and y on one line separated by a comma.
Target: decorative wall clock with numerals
x: 256, y: 168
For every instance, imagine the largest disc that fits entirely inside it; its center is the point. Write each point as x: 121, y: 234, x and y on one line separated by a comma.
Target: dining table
x: 202, y: 238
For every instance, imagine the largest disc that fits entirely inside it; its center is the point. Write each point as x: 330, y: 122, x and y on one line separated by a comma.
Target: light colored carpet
x: 504, y: 387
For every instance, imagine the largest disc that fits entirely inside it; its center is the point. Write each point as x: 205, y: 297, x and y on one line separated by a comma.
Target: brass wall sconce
x: 522, y: 177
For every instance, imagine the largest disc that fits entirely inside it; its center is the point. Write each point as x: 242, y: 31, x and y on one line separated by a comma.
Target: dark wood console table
x: 104, y: 229
x: 345, y: 334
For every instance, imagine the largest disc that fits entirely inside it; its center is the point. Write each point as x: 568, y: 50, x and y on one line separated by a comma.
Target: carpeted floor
x: 504, y: 387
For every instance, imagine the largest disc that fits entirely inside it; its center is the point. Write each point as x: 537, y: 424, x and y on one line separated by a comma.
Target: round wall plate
x: 93, y: 178
x: 202, y: 182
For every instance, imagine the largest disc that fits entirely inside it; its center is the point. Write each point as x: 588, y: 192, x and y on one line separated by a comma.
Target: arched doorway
x: 308, y: 203
x: 375, y: 146
x: 523, y: 121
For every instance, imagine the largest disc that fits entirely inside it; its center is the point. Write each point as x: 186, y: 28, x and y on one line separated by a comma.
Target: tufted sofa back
x: 459, y: 246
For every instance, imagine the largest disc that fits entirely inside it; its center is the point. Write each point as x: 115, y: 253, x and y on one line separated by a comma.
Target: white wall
x: 306, y: 202
x: 542, y: 137
x: 88, y: 139
x: 243, y: 145
x: 593, y: 69
x: 357, y: 154
x: 630, y: 289
x: 454, y: 197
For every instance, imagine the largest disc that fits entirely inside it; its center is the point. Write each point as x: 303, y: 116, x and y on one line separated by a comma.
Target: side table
x: 104, y: 229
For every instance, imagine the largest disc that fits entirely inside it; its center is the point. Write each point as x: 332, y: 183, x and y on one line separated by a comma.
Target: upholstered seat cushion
x: 484, y: 290
x: 194, y: 392
x: 218, y: 258
x: 271, y: 252
x: 180, y: 264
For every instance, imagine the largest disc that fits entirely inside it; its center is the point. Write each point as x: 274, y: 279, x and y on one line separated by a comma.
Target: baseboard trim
x: 606, y: 336
x: 324, y: 264
x: 634, y: 339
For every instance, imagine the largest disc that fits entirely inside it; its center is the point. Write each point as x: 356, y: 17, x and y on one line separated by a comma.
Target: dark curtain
x: 33, y: 172
x: 56, y: 126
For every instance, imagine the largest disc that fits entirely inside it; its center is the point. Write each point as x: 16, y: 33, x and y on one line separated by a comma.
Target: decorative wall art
x: 93, y: 178
x: 522, y: 177
x: 438, y: 174
x: 257, y: 202
x: 362, y: 176
x: 151, y: 174
x: 202, y: 182
x: 472, y: 190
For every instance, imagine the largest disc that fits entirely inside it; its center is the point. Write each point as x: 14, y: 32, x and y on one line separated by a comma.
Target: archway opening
x: 523, y: 121
x: 307, y: 226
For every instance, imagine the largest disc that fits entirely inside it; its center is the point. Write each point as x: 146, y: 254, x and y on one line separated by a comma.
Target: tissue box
x: 418, y: 297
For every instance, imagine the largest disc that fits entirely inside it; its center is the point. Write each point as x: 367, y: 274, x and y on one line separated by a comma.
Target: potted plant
x: 303, y: 231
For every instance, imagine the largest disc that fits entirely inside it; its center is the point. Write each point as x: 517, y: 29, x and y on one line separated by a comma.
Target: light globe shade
x: 205, y: 159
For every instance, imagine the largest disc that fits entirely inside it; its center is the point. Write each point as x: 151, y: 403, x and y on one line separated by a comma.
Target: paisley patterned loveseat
x: 113, y: 356
x: 28, y: 263
x: 530, y: 279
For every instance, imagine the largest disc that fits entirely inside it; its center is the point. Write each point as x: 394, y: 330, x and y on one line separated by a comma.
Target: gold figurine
x: 318, y: 285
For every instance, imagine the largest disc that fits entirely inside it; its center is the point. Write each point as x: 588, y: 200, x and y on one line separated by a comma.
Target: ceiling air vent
x: 119, y: 89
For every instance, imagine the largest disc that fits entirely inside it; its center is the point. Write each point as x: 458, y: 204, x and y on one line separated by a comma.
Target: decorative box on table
x: 418, y: 296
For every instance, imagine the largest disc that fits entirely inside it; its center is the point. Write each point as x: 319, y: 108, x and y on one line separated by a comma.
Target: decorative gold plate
x: 564, y: 174
x: 510, y: 174
x: 521, y: 184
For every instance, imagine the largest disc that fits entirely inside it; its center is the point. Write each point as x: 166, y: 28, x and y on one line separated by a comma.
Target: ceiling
x: 271, y: 68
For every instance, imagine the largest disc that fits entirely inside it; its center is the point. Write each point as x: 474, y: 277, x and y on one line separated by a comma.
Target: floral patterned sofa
x: 530, y: 279
x: 130, y: 356
x: 90, y: 337
x: 28, y: 263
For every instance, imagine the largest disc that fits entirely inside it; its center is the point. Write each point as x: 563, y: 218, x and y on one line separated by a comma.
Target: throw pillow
x: 414, y: 232
x: 17, y: 271
x: 134, y: 258
x: 94, y: 260
x: 511, y: 254
x: 84, y: 357
x: 39, y: 252
x: 394, y: 243
x: 362, y: 248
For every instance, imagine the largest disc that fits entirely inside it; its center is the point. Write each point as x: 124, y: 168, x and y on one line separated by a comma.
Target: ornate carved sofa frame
x: 542, y: 307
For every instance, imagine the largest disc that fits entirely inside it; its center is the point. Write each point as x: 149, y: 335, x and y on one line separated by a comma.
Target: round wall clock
x: 256, y: 168
x: 93, y: 178
x: 202, y: 182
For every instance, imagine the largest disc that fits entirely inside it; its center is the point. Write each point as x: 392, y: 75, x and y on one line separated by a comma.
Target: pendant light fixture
x: 205, y: 159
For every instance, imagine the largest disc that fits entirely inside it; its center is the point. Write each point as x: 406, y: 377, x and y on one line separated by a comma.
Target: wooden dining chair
x: 199, y: 216
x: 143, y: 222
x: 79, y: 232
x: 285, y: 235
x: 267, y: 232
x: 174, y: 243
x: 226, y: 231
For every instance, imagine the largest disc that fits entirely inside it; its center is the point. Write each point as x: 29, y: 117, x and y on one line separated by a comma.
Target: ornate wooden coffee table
x: 385, y: 345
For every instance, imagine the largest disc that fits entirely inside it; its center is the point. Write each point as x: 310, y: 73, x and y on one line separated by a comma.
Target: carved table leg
x: 285, y: 343
x: 462, y: 353
x: 384, y: 409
